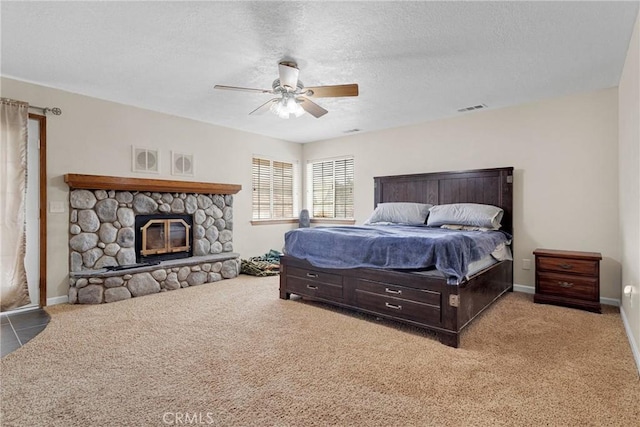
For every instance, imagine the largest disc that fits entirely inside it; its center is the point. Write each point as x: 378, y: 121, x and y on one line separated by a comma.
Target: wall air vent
x: 474, y: 107
x: 145, y: 160
x: 181, y: 164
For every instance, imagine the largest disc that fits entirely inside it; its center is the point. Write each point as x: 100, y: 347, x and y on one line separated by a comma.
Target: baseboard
x: 25, y: 309
x: 524, y: 289
x: 610, y: 301
x: 632, y: 342
x: 58, y: 300
x: 532, y: 290
x: 50, y: 301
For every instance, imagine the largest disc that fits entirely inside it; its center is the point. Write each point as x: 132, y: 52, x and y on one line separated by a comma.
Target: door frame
x: 42, y: 121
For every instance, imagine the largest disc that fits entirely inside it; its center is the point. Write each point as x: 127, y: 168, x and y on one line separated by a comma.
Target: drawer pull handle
x: 393, y: 291
x: 565, y: 284
x: 395, y: 307
x: 312, y: 287
x: 566, y: 266
x: 312, y: 275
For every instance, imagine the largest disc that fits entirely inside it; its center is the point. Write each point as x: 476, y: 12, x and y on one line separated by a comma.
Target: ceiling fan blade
x: 312, y: 108
x: 288, y: 74
x: 332, y: 91
x: 242, y: 89
x: 264, y: 107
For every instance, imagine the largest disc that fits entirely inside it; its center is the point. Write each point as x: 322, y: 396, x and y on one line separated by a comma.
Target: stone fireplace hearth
x: 108, y: 259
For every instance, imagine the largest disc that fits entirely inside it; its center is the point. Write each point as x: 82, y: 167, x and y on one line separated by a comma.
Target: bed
x: 426, y: 299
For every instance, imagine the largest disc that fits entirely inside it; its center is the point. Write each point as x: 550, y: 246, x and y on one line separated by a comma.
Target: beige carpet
x: 233, y: 354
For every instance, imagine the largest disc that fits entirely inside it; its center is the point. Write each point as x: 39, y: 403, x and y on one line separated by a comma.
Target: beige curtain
x: 14, y: 117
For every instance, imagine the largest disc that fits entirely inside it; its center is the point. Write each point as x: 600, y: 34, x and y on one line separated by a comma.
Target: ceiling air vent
x: 352, y: 130
x: 474, y: 107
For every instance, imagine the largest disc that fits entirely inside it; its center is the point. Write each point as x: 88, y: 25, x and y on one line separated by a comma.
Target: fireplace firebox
x: 162, y: 237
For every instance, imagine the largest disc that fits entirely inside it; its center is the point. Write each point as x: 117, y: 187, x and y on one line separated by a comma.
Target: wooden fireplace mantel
x: 99, y: 182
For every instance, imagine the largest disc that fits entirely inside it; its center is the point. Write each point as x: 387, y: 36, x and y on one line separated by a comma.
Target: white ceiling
x: 413, y: 61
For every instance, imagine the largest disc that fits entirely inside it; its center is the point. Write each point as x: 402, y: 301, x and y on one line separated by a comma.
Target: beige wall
x: 95, y: 137
x: 565, y: 155
x: 564, y: 152
x: 629, y: 123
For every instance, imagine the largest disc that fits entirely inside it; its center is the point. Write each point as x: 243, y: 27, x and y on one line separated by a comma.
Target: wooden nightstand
x: 568, y: 278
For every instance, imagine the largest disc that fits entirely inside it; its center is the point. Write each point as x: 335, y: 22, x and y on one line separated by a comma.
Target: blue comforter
x: 393, y: 246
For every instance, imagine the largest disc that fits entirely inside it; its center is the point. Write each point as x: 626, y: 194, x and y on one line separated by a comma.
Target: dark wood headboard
x: 485, y: 186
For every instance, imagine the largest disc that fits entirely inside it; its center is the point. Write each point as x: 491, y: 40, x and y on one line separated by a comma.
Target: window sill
x: 341, y: 221
x: 274, y: 221
x: 333, y: 221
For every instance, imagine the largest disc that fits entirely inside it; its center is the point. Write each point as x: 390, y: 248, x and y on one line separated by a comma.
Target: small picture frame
x: 182, y: 164
x: 145, y: 160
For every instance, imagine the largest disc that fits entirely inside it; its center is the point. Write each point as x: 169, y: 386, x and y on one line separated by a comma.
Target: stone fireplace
x: 126, y: 242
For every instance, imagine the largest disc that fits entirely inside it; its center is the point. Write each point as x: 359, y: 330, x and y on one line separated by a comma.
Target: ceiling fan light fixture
x: 291, y: 94
x: 287, y: 107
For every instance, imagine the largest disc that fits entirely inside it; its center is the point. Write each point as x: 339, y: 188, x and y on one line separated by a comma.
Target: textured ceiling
x: 413, y: 61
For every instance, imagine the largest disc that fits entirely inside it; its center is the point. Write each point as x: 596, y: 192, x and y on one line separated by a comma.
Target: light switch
x: 526, y: 264
x: 56, y: 207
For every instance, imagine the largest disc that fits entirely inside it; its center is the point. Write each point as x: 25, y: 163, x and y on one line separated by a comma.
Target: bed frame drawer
x: 311, y: 288
x: 398, y: 307
x: 390, y: 290
x: 315, y: 275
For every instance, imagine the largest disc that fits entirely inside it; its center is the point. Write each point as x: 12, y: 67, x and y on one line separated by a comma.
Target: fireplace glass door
x: 162, y: 236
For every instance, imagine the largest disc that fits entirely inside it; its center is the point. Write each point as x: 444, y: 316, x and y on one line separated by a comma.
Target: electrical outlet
x: 56, y: 207
x: 628, y: 292
x: 526, y: 264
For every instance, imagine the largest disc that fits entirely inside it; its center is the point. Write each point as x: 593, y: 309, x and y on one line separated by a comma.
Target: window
x: 273, y: 189
x: 331, y: 188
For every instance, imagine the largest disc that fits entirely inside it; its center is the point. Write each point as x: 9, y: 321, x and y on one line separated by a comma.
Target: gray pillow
x: 399, y: 213
x: 469, y: 214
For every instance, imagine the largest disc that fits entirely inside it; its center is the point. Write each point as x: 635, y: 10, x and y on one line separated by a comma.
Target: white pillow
x: 469, y: 214
x: 399, y: 213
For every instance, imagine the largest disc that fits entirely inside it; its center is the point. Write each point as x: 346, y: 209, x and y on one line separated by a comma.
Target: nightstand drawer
x: 572, y: 266
x: 567, y: 285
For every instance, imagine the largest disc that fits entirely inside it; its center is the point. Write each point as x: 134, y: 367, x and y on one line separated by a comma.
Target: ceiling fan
x: 292, y: 96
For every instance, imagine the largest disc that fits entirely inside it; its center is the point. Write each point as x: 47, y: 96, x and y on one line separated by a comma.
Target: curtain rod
x: 54, y: 110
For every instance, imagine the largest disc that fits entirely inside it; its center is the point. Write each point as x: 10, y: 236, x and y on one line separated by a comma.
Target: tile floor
x: 19, y: 328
